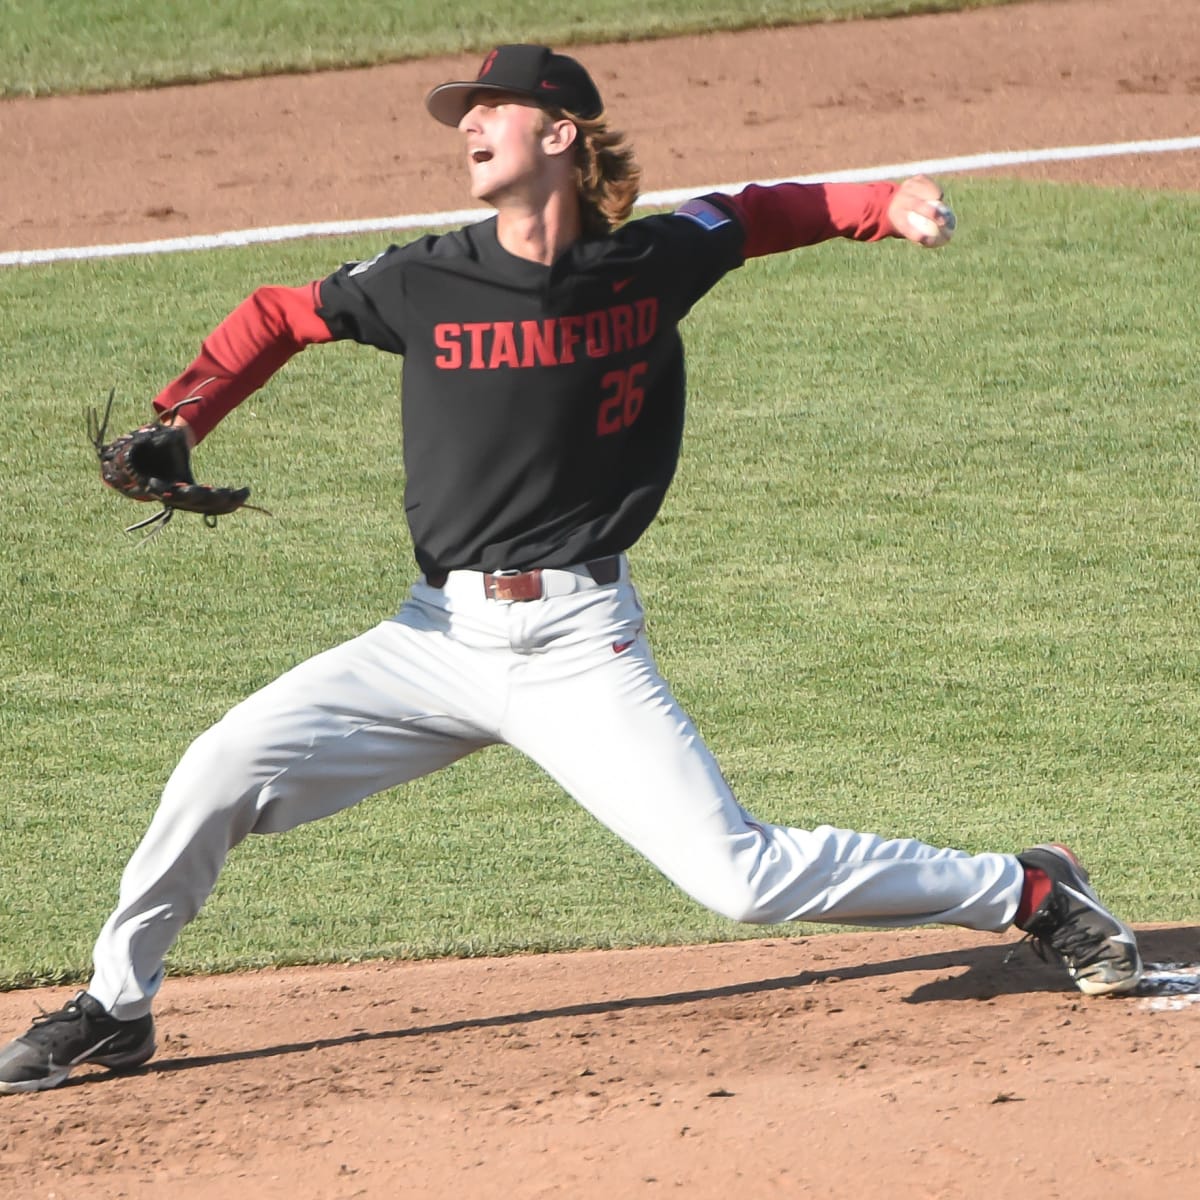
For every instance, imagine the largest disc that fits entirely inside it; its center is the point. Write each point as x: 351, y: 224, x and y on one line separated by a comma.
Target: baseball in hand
x: 934, y: 233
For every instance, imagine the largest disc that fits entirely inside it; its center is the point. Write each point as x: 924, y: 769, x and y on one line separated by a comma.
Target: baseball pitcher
x: 542, y: 412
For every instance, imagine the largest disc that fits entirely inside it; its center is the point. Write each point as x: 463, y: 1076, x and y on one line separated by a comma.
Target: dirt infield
x: 356, y: 145
x: 905, y: 1066
x: 920, y: 1064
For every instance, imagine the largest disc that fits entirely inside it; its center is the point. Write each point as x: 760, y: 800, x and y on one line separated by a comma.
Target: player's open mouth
x: 480, y: 155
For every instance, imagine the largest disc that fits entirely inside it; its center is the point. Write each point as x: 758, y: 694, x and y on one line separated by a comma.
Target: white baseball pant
x: 568, y: 680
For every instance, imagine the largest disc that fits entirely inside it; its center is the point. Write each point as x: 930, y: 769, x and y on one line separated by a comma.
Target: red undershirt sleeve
x: 784, y: 216
x: 244, y: 351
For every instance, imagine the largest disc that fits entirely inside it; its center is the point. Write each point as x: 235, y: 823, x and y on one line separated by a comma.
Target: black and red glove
x: 154, y: 463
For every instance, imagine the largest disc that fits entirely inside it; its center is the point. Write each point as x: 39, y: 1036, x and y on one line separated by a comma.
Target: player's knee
x: 738, y: 899
x: 744, y: 879
x: 221, y: 769
x: 750, y: 910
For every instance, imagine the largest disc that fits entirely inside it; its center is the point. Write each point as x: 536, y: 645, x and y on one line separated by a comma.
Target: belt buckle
x: 510, y: 587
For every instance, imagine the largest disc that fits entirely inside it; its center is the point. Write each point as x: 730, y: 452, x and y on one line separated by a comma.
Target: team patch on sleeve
x: 703, y: 213
x: 366, y: 264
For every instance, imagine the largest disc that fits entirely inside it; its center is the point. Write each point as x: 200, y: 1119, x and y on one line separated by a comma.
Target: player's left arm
x: 785, y: 216
x: 249, y: 346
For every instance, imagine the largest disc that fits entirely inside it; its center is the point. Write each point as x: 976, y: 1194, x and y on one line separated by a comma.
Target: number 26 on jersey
x: 621, y: 400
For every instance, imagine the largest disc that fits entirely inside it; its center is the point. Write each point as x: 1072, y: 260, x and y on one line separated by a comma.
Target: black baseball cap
x: 553, y: 80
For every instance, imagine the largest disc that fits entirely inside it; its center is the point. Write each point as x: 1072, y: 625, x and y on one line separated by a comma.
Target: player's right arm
x: 723, y: 230
x: 786, y: 216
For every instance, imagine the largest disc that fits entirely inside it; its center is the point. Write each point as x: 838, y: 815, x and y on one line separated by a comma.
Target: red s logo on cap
x: 487, y: 64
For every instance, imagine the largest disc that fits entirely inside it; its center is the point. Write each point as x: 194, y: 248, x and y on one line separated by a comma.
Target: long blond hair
x: 607, y: 174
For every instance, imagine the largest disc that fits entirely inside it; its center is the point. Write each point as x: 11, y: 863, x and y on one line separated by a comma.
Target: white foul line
x: 283, y: 233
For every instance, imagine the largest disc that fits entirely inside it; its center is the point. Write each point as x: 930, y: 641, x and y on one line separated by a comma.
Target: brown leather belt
x: 516, y: 586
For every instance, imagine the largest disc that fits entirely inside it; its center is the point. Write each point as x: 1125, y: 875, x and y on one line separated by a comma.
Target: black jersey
x: 542, y: 406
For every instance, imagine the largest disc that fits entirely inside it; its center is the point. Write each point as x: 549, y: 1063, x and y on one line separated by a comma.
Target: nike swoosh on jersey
x: 621, y: 647
x: 619, y: 285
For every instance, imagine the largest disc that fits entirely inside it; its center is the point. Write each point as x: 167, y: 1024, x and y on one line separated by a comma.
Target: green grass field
x: 952, y: 499
x: 88, y: 45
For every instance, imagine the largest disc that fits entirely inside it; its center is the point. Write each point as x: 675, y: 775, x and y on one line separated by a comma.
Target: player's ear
x: 558, y: 135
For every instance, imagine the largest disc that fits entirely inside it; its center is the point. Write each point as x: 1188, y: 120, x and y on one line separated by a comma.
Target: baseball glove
x: 154, y: 463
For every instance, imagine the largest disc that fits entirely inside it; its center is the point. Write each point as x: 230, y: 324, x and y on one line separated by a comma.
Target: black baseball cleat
x: 82, y: 1032
x: 1099, y: 952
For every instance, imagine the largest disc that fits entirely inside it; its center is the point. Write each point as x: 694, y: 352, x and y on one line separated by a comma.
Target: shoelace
x: 69, y: 1012
x: 1070, y: 939
x: 1078, y: 945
